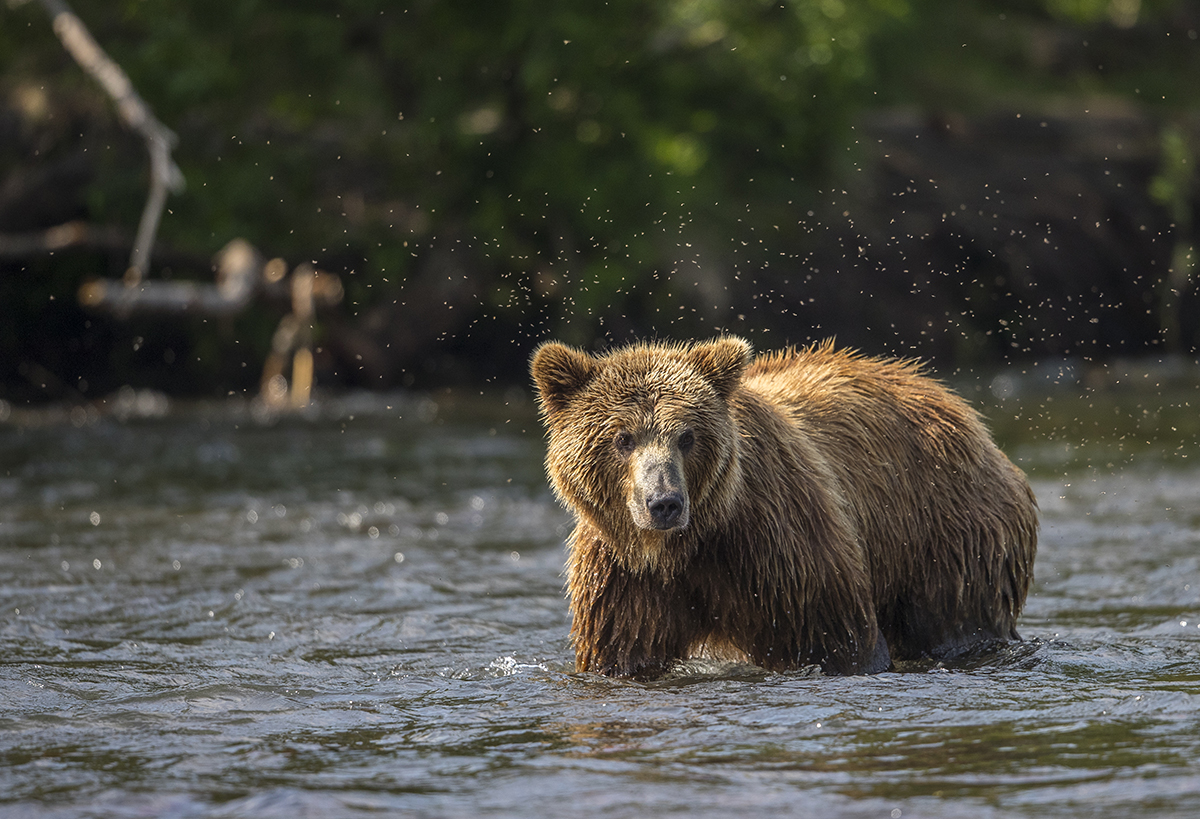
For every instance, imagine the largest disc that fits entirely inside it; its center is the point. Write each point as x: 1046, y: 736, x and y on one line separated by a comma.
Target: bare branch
x: 165, y: 175
x: 60, y: 237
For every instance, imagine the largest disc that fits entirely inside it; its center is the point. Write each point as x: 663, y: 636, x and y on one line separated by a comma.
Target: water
x: 360, y: 613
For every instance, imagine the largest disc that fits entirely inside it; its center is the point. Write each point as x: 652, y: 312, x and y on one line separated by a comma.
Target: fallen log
x: 242, y: 278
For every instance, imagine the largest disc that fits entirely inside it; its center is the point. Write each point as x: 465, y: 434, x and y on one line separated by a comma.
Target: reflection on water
x: 204, y: 612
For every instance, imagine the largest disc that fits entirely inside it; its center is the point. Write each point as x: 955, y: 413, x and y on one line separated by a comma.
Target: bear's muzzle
x: 658, y: 499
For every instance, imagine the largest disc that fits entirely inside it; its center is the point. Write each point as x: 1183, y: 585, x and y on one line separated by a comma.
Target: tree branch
x: 165, y: 175
x: 60, y: 237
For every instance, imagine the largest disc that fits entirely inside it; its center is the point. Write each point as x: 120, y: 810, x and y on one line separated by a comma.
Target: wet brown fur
x: 844, y: 511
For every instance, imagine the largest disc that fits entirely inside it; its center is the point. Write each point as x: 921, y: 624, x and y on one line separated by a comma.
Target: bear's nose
x: 665, y: 509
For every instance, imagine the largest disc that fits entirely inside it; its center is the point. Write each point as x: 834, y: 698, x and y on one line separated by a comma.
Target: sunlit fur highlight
x: 845, y: 511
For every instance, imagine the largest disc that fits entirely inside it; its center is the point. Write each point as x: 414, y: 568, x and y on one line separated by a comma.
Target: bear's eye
x: 687, y: 440
x: 624, y: 443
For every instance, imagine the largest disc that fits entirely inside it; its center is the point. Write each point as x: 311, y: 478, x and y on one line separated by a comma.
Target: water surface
x: 359, y: 612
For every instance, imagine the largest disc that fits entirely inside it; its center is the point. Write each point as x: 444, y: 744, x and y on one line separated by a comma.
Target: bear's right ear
x: 722, y: 362
x: 559, y: 372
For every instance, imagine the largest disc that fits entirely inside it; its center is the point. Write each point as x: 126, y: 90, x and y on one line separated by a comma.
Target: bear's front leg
x: 876, y: 660
x: 623, y: 624
x: 853, y: 646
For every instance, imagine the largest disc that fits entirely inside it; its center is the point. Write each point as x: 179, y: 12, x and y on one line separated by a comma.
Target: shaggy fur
x: 804, y: 507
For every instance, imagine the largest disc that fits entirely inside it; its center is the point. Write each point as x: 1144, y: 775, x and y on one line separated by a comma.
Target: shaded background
x: 969, y: 182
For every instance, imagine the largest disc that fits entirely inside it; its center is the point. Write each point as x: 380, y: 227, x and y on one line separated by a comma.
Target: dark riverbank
x: 969, y: 242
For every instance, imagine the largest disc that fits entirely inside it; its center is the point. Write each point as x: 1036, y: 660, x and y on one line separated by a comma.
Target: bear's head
x: 641, y: 442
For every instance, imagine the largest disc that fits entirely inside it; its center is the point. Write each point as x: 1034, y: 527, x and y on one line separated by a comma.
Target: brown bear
x: 805, y: 507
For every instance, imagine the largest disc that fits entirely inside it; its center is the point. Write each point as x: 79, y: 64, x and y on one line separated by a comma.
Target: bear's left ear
x: 722, y: 362
x: 559, y: 372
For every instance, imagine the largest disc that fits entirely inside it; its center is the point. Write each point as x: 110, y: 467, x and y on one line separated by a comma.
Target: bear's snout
x: 659, y: 498
x: 665, y: 510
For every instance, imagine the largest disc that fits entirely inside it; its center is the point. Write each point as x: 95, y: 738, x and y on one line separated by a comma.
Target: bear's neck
x: 722, y: 497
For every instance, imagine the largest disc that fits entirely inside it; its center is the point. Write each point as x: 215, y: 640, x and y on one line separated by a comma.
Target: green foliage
x: 978, y: 55
x: 1120, y: 13
x: 1172, y: 186
x: 546, y: 133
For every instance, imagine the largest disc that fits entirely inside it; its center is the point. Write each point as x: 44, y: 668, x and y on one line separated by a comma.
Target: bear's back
x: 841, y: 392
x: 911, y: 457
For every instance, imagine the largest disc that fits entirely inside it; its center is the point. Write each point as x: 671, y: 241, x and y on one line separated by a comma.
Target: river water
x: 359, y: 612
